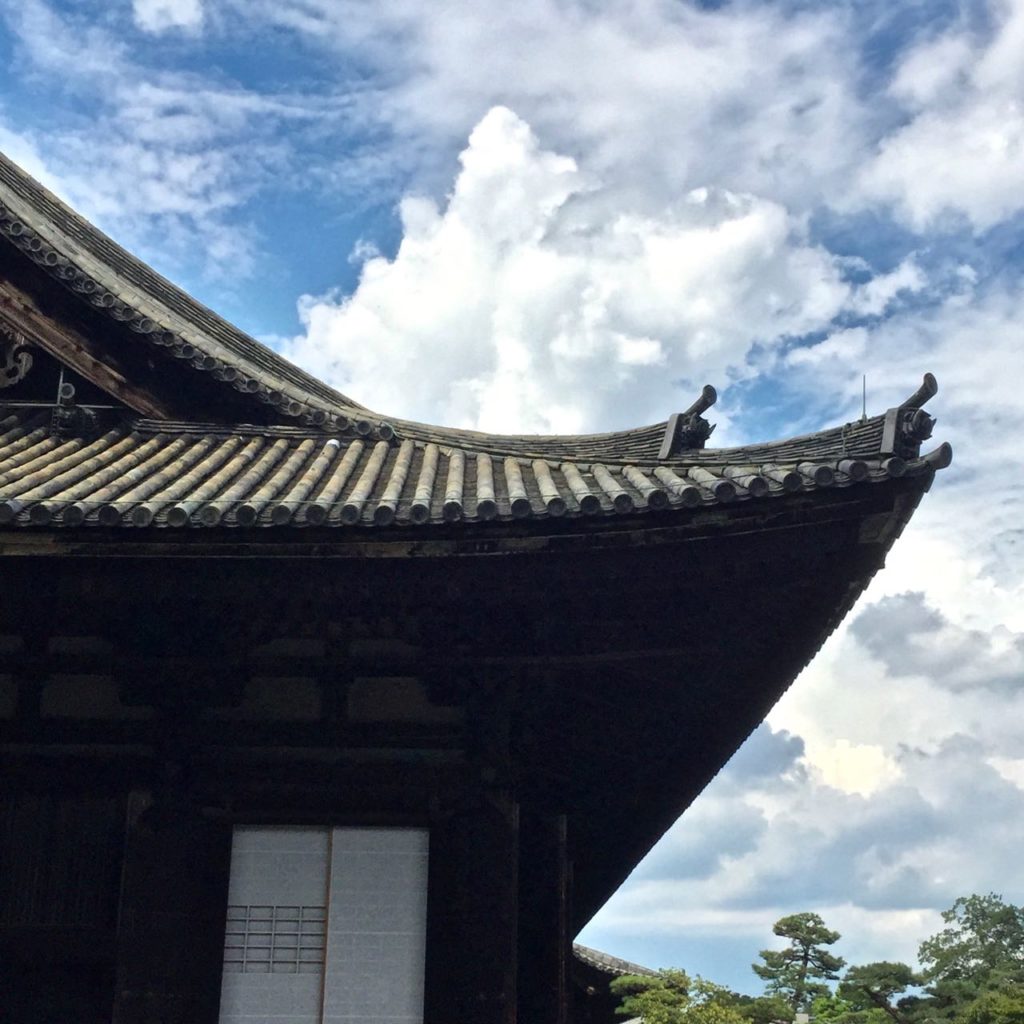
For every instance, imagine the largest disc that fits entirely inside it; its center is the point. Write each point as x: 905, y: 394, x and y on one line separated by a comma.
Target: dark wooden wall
x: 545, y: 714
x: 60, y: 871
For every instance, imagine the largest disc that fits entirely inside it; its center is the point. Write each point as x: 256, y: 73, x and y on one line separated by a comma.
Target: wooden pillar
x: 472, y: 915
x: 545, y: 943
x: 171, y: 918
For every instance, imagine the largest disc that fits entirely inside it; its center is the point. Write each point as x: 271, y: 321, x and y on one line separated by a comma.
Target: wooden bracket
x: 15, y: 356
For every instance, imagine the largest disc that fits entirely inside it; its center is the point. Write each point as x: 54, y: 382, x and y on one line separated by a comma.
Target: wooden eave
x: 149, y: 309
x: 129, y: 307
x: 75, y: 293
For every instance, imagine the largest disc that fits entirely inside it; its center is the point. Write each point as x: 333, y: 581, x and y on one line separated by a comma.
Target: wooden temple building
x: 312, y: 714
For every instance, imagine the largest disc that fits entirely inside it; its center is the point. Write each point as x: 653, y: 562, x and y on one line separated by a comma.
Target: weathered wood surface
x: 77, y: 349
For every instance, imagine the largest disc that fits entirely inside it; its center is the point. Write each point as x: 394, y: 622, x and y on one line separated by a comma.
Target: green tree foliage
x: 874, y: 987
x: 713, y: 1004
x: 671, y: 997
x: 973, y: 969
x: 799, y: 972
x: 835, y: 1010
x: 974, y: 966
x: 1002, y: 1006
x: 660, y: 999
x: 982, y: 943
x: 761, y: 1009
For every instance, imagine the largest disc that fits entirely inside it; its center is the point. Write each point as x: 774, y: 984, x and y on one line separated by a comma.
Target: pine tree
x: 799, y: 972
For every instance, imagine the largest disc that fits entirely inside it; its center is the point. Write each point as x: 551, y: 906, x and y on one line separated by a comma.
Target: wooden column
x: 545, y: 943
x: 472, y: 915
x: 173, y: 904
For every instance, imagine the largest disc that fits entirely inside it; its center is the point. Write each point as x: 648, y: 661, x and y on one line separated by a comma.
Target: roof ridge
x: 256, y: 476
x: 608, y: 963
x: 87, y: 261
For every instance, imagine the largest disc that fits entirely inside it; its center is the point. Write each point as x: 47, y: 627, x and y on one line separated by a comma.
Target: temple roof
x: 146, y: 473
x: 179, y: 335
x: 608, y: 964
x: 255, y: 441
x: 136, y: 423
x: 111, y: 279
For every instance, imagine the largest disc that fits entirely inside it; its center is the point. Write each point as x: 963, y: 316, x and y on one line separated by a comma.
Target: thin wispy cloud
x: 961, y: 150
x: 161, y: 15
x: 173, y: 151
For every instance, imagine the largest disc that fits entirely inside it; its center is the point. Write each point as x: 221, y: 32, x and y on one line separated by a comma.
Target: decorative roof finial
x: 907, y: 425
x: 688, y: 430
x: 67, y: 418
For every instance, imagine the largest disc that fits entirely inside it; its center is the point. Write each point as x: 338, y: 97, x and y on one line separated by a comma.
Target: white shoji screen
x: 325, y: 926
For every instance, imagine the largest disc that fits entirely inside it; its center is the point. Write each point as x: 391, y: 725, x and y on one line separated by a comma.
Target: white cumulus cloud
x: 961, y: 150
x: 537, y: 299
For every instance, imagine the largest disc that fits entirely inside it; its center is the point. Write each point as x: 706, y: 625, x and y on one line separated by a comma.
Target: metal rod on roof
x: 51, y: 405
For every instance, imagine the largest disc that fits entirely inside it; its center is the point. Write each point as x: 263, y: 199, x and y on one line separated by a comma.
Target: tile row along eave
x: 151, y: 310
x: 131, y: 478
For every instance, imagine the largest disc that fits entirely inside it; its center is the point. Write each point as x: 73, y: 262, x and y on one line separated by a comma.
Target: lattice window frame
x: 286, y: 939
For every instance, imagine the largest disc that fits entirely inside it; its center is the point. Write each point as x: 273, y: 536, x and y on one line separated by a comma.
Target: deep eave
x: 89, y: 264
x: 141, y: 306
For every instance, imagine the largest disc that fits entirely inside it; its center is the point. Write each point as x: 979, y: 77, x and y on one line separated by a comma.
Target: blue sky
x: 561, y: 215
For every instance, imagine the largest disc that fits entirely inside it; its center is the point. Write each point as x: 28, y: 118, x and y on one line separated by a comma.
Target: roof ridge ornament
x: 941, y: 458
x: 907, y: 425
x: 929, y: 389
x: 689, y: 430
x: 68, y: 419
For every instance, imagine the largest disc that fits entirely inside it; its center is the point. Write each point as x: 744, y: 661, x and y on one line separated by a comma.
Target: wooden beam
x: 545, y: 943
x: 76, y: 350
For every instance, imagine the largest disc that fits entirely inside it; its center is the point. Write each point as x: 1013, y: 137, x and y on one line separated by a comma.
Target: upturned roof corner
x: 907, y: 425
x: 689, y: 430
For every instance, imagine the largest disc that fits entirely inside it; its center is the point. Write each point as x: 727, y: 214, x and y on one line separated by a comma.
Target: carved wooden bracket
x: 15, y: 357
x: 77, y: 350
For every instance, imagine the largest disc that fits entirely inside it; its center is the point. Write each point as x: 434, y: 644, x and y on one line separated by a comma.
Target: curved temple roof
x: 172, y: 475
x: 329, y: 461
x: 608, y: 964
x: 89, y: 263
